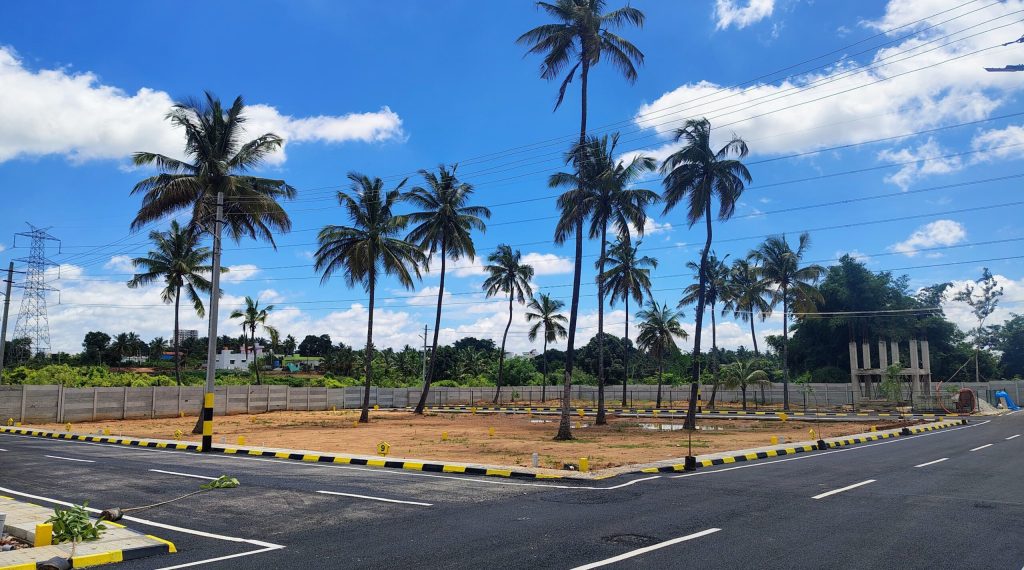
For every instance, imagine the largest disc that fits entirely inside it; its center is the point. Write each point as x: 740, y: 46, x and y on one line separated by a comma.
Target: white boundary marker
x: 980, y: 447
x: 367, y: 497
x: 70, y: 459
x: 1009, y: 438
x: 842, y: 489
x: 184, y: 474
x: 646, y: 549
x: 932, y: 462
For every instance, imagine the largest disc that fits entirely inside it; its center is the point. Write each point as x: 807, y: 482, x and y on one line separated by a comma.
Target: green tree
x: 443, y: 226
x: 507, y: 275
x: 95, y: 346
x: 983, y: 301
x: 659, y: 327
x: 1010, y: 341
x: 715, y: 280
x: 157, y: 347
x: 580, y: 37
x: 627, y: 276
x: 366, y: 248
x: 288, y: 346
x: 180, y: 263
x: 545, y: 311
x: 698, y: 174
x: 744, y: 373
x: 780, y: 266
x: 253, y: 316
x: 746, y: 296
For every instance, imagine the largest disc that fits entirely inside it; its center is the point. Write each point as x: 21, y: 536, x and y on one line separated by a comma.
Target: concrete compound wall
x: 39, y: 404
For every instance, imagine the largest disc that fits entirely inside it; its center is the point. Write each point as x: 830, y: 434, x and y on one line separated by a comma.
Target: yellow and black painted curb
x: 311, y: 458
x: 706, y: 414
x: 753, y: 456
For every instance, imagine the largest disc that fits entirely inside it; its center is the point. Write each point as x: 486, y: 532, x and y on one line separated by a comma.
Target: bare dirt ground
x: 516, y: 437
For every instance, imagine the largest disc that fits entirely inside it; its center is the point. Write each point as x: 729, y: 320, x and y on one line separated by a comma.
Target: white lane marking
x: 380, y: 471
x: 219, y: 558
x: 932, y: 462
x: 842, y: 489
x: 980, y: 447
x: 824, y: 453
x: 204, y: 534
x: 353, y: 495
x: 70, y: 458
x: 646, y: 549
x: 3, y: 450
x: 184, y: 474
x: 1011, y: 437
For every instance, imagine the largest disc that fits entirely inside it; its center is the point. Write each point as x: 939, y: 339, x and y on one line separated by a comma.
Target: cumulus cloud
x: 120, y: 263
x: 548, y: 263
x: 58, y: 112
x: 2, y: 247
x: 937, y: 233
x: 803, y: 113
x: 928, y: 158
x: 1005, y: 143
x: 651, y: 227
x: 239, y: 273
x: 741, y: 14
x: 1011, y: 302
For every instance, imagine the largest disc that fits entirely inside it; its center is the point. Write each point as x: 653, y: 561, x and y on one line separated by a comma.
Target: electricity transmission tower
x: 32, y: 321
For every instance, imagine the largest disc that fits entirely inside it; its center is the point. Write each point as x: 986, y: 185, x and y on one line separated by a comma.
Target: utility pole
x: 7, y: 310
x: 211, y: 346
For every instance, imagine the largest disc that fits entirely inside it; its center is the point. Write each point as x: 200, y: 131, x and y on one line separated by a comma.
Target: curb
x: 668, y: 412
x: 100, y: 439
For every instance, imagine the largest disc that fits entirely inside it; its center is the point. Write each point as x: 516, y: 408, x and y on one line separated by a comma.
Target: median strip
x: 843, y: 489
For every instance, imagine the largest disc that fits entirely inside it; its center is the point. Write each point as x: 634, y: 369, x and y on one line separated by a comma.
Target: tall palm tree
x: 699, y: 174
x: 545, y: 311
x: 157, y: 347
x: 747, y: 296
x: 715, y: 281
x: 507, y: 275
x: 627, y: 276
x: 178, y: 261
x: 581, y: 35
x: 443, y: 226
x: 253, y: 316
x: 659, y: 328
x: 741, y: 374
x: 614, y: 203
x: 275, y: 341
x: 368, y: 248
x: 794, y: 287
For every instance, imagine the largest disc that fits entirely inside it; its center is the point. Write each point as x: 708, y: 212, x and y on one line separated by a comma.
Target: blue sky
x: 387, y: 92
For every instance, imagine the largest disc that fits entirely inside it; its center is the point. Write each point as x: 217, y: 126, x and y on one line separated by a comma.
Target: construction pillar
x: 854, y: 377
x: 914, y: 367
x: 865, y: 350
x: 883, y: 356
x: 926, y: 366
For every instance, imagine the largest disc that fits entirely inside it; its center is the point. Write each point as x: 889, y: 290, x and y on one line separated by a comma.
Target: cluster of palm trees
x: 379, y: 242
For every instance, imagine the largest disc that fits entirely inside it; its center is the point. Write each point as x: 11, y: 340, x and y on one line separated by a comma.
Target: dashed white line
x: 646, y: 549
x: 980, y: 447
x: 69, y: 458
x: 932, y: 462
x: 184, y: 474
x: 3, y: 450
x: 368, y: 497
x: 840, y: 490
x: 1011, y: 437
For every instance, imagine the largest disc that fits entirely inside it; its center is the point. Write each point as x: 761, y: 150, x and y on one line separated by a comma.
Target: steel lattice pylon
x: 33, y: 323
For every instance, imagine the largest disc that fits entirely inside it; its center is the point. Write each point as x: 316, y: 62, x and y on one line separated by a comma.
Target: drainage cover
x: 635, y: 540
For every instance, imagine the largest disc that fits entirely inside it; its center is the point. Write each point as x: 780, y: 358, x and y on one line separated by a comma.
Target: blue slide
x: 1002, y: 395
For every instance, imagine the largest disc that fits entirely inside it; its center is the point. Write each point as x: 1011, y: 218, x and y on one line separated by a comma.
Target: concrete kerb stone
x: 668, y: 413
x: 118, y: 544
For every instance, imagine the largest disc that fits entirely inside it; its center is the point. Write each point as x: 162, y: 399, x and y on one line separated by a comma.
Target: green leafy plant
x: 222, y: 482
x: 74, y: 525
x: 891, y: 385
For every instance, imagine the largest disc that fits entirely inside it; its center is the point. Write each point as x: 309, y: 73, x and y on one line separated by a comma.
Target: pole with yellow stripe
x: 211, y: 347
x: 207, y: 421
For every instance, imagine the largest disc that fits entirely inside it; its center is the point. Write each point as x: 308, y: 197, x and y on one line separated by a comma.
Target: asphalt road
x: 936, y: 500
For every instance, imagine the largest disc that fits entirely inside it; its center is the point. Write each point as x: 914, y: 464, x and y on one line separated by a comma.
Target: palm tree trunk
x: 364, y: 417
x: 691, y: 412
x: 544, y: 384
x: 255, y: 354
x: 661, y: 370
x: 177, y: 354
x: 625, y: 349
x: 501, y: 357
x: 753, y: 336
x: 785, y: 350
x: 714, y: 358
x: 601, y: 419
x: 437, y: 330
x: 564, y: 424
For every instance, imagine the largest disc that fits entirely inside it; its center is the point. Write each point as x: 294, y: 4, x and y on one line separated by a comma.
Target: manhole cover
x: 634, y: 540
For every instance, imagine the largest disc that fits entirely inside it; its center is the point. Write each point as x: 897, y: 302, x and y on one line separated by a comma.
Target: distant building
x: 133, y: 360
x: 187, y: 334
x: 230, y: 360
x: 532, y: 353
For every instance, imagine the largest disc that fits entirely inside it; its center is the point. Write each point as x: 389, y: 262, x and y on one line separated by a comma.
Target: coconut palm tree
x: 367, y: 249
x: 253, y: 316
x: 659, y: 328
x: 715, y: 284
x: 181, y: 264
x: 443, y: 226
x: 613, y: 203
x: 627, y: 276
x: 746, y: 296
x: 581, y: 35
x: 741, y: 374
x: 157, y: 347
x: 507, y: 275
x: 699, y: 174
x: 545, y: 311
x: 793, y: 285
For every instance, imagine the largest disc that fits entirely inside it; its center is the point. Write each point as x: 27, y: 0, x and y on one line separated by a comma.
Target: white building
x: 229, y: 360
x: 186, y: 334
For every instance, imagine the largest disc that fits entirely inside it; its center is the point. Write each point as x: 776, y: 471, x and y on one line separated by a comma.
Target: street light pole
x: 7, y: 309
x: 211, y: 347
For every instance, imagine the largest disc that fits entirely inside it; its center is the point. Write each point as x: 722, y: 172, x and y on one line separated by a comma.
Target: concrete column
x: 926, y: 365
x: 883, y: 356
x: 854, y: 365
x: 914, y: 375
x: 865, y: 350
x: 894, y: 351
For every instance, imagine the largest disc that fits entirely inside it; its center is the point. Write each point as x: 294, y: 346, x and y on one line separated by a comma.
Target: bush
x: 831, y: 375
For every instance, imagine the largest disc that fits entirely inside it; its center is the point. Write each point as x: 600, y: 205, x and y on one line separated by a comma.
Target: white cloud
x: 1005, y: 143
x: 2, y: 247
x: 856, y: 255
x: 55, y: 111
x: 239, y: 273
x: 1010, y: 302
x: 928, y: 153
x: 937, y: 233
x: 651, y: 227
x: 548, y: 263
x: 848, y: 103
x: 120, y: 263
x: 733, y: 13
